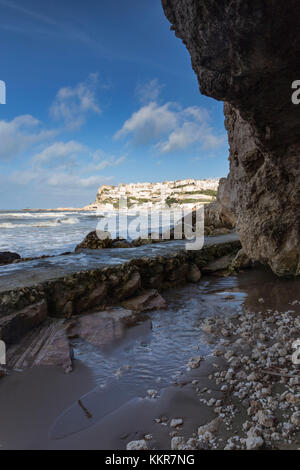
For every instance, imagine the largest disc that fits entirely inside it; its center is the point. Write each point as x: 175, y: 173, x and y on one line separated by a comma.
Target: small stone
x: 194, y: 362
x: 137, y: 445
x: 176, y: 422
x: 152, y: 393
x: 254, y: 443
x: 295, y: 418
x: 265, y: 419
x: 177, y: 443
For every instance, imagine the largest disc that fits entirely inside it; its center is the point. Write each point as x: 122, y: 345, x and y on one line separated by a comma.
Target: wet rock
x: 176, y: 422
x: 15, y: 325
x: 149, y: 300
x: 219, y: 264
x: 92, y: 300
x: 137, y: 445
x: 101, y: 328
x: 194, y: 274
x: 44, y: 346
x: 95, y: 241
x: 130, y: 287
x: 6, y: 257
x: 241, y: 261
x: 121, y: 244
x: 195, y: 362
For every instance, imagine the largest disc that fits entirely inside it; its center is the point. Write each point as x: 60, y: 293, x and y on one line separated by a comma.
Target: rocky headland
x: 246, y: 53
x: 186, y: 193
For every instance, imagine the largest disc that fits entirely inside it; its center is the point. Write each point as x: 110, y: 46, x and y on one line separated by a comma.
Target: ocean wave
x: 32, y: 215
x: 50, y: 223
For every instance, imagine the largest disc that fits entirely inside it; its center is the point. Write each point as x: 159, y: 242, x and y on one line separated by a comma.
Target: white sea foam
x: 34, y: 215
x: 50, y: 223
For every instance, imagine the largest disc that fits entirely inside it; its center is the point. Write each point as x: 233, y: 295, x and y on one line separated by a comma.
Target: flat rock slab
x: 149, y: 300
x: 101, y: 328
x: 44, y: 346
x: 50, y: 344
x: 219, y: 264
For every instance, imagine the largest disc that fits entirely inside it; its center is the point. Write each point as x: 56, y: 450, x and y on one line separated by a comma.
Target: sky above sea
x: 98, y: 92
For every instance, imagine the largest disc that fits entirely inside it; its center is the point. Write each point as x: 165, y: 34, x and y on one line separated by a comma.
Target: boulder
x: 149, y: 300
x: 95, y: 241
x: 6, y: 257
x: 194, y: 274
x: 101, y: 328
x: 15, y: 325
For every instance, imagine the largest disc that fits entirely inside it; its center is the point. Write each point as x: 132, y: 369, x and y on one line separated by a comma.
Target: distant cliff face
x: 246, y: 53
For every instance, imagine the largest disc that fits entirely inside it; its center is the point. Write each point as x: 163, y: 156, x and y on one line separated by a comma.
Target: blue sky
x: 98, y: 92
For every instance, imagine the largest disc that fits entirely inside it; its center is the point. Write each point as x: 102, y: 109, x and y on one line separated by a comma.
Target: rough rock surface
x: 50, y: 344
x: 47, y: 345
x: 6, y: 257
x: 101, y: 328
x: 149, y: 300
x: 93, y: 242
x: 15, y: 325
x: 87, y: 291
x: 246, y: 53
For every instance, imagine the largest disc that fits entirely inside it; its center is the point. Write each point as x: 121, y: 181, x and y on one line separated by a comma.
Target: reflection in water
x: 152, y: 354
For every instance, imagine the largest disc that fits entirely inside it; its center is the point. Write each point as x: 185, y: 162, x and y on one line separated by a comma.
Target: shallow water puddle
x: 150, y: 356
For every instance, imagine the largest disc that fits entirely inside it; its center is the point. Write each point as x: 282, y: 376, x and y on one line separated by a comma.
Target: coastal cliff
x: 246, y: 53
x: 169, y: 194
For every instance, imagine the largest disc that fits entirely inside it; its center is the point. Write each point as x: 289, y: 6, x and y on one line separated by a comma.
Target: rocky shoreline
x: 22, y: 309
x: 255, y: 386
x: 244, y: 395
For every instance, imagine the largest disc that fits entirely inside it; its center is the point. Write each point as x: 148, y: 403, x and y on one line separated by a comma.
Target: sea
x: 37, y: 233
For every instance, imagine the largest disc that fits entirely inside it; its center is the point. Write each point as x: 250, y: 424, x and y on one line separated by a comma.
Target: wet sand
x: 35, y: 404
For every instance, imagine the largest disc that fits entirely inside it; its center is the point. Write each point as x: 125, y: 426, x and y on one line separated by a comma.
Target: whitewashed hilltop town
x: 188, y: 193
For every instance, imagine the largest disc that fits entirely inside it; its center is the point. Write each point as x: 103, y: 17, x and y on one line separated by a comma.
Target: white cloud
x: 107, y: 163
x: 190, y: 133
x: 171, y: 128
x: 73, y: 181
x: 67, y: 166
x: 60, y: 150
x: 180, y: 138
x: 19, y: 134
x: 148, y: 91
x: 57, y: 178
x: 149, y: 123
x: 72, y: 105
